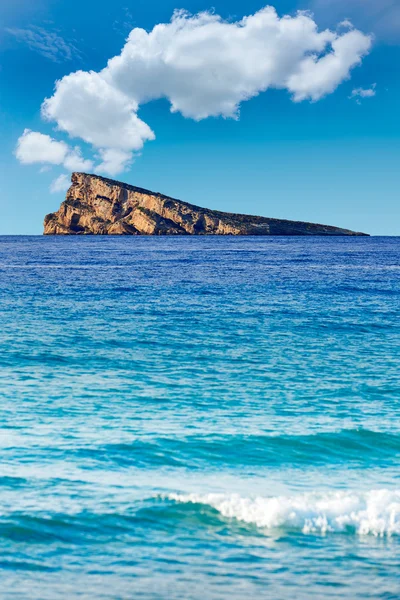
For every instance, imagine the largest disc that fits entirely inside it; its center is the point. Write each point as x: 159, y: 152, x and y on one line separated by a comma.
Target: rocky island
x: 100, y: 206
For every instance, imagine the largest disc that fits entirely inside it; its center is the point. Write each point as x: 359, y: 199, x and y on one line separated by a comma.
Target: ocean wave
x: 376, y: 512
x: 348, y: 446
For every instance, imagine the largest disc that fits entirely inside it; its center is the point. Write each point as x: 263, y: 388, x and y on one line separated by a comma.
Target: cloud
x: 113, y: 161
x: 318, y: 76
x: 74, y: 161
x: 358, y: 93
x: 34, y: 147
x: 346, y: 24
x: 47, y: 43
x: 61, y: 184
x: 87, y: 106
x: 205, y: 67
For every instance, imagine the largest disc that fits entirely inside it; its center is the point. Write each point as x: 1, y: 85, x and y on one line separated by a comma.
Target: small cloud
x: 346, y: 24
x: 61, y: 184
x: 113, y: 161
x: 74, y: 161
x: 35, y: 147
x: 47, y: 43
x: 358, y: 93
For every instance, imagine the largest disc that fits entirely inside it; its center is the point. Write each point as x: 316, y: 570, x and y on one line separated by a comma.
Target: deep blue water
x: 199, y: 418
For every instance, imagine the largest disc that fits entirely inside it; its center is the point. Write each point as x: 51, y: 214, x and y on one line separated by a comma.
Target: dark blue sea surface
x: 199, y: 418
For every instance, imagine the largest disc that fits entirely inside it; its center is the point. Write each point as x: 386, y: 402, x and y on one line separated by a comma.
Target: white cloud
x: 113, y: 161
x: 87, y: 106
x: 358, y: 93
x: 318, y: 76
x: 205, y: 67
x: 74, y: 161
x: 61, y: 184
x: 47, y: 43
x: 346, y: 24
x: 34, y: 147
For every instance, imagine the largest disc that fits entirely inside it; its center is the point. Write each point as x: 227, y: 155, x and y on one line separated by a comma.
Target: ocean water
x: 199, y: 418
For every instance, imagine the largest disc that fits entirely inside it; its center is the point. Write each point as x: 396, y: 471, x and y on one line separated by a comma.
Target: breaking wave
x: 376, y: 512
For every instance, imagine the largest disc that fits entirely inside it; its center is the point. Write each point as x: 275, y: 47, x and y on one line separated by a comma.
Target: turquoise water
x: 199, y: 418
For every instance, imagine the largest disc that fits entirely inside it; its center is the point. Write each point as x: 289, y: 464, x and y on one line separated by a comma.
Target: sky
x: 287, y: 110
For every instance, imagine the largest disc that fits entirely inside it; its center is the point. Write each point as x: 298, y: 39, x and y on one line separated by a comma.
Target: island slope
x: 101, y: 206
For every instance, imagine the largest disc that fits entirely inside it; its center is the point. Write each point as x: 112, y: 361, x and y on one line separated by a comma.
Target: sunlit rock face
x: 99, y: 206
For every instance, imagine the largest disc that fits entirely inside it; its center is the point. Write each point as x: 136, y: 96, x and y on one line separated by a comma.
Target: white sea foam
x: 376, y: 512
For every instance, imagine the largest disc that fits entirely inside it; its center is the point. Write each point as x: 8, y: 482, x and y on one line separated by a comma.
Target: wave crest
x: 376, y: 512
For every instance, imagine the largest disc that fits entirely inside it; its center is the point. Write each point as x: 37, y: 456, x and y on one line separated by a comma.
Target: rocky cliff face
x: 96, y: 205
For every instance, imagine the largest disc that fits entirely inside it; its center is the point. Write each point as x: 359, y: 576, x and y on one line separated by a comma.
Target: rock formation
x: 96, y: 205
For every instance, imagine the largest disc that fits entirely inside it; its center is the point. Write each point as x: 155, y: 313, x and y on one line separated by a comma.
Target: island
x: 95, y: 205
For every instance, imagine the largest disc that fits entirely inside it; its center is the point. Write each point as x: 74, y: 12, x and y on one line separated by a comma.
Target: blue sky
x: 320, y: 144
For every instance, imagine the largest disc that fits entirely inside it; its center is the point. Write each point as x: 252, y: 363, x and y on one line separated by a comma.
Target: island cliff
x: 96, y: 205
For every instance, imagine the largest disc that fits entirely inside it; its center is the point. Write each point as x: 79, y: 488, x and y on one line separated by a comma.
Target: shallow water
x: 199, y: 417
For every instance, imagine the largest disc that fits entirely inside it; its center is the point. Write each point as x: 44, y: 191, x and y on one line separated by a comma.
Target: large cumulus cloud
x: 205, y: 67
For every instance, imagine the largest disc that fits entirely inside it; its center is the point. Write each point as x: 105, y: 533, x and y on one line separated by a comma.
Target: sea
x: 199, y: 418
